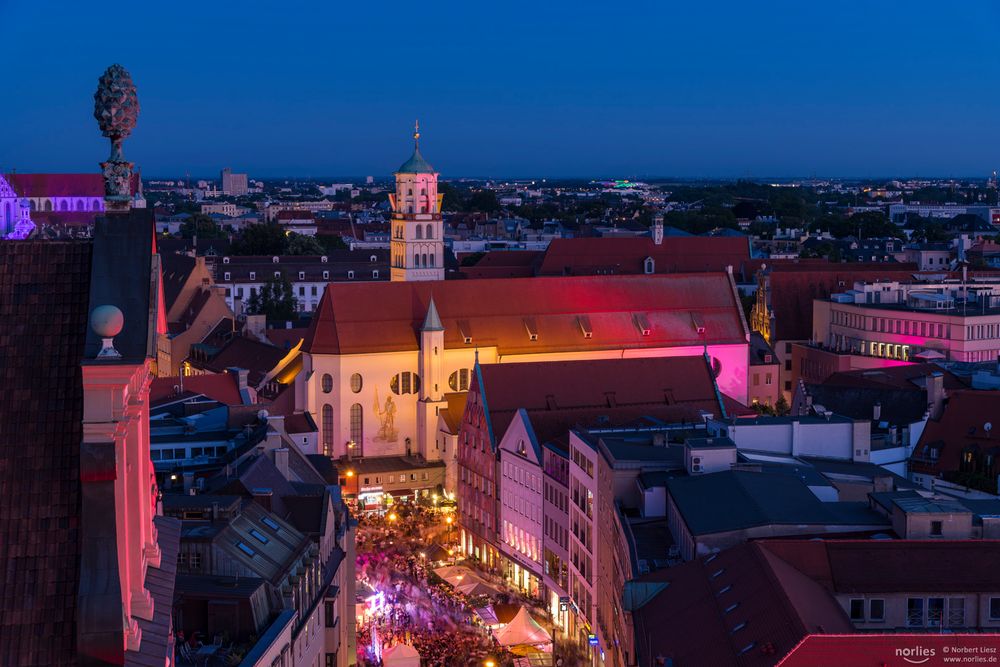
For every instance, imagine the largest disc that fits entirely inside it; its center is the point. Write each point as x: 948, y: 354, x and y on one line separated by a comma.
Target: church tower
x: 417, y: 246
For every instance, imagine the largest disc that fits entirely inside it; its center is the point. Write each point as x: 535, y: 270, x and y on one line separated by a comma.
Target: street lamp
x: 489, y: 663
x: 392, y: 516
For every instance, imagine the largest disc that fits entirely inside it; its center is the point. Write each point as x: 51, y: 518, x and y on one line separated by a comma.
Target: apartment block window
x: 302, y: 275
x: 936, y: 529
x: 995, y: 609
x: 915, y: 611
x: 253, y: 275
x: 935, y: 611
x: 313, y: 290
x: 876, y: 610
x: 227, y: 276
x: 956, y: 612
x: 858, y: 610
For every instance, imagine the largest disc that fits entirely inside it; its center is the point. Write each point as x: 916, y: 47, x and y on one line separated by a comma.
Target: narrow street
x: 406, y: 603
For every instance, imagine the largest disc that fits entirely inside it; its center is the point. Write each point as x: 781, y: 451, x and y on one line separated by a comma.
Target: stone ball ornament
x: 107, y: 321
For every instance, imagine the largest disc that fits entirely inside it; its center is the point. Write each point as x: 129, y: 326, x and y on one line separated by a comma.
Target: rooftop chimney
x: 877, y: 412
x: 281, y: 461
x: 935, y: 394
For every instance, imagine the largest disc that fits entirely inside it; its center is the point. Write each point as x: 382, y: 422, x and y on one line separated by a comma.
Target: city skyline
x: 651, y: 92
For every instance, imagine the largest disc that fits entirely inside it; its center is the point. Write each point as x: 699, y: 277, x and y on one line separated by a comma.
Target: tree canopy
x: 275, y: 300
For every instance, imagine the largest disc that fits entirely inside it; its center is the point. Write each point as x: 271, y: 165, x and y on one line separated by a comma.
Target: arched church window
x: 63, y: 205
x: 357, y: 425
x: 48, y: 204
x: 430, y: 231
x: 328, y: 430
x: 32, y: 204
x: 420, y: 232
x: 6, y: 214
x: 432, y: 260
x: 327, y: 383
x: 416, y: 259
x: 79, y: 204
x: 405, y: 383
x: 425, y: 259
x: 95, y: 205
x: 459, y: 380
x: 356, y: 383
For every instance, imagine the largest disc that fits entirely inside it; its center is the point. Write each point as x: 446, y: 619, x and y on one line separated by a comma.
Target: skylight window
x: 270, y: 523
x: 725, y: 589
x: 748, y: 647
x: 732, y: 607
x: 260, y: 537
x: 246, y: 549
x: 738, y: 627
x: 718, y: 573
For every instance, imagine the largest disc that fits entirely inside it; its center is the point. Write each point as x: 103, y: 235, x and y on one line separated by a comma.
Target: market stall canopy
x: 400, y: 655
x: 522, y: 630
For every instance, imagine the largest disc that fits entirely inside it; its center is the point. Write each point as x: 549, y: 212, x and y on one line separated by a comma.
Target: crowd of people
x: 415, y: 607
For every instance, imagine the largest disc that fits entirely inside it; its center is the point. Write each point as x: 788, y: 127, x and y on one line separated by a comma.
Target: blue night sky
x: 543, y: 89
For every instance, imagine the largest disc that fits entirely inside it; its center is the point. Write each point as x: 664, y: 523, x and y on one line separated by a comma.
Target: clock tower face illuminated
x: 417, y: 246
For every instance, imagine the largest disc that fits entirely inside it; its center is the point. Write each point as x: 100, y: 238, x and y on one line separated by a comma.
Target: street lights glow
x: 449, y: 520
x: 350, y: 473
x: 489, y: 663
x: 392, y: 516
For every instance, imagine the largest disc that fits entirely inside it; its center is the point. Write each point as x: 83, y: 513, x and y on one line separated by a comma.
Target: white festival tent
x: 522, y: 631
x: 401, y: 655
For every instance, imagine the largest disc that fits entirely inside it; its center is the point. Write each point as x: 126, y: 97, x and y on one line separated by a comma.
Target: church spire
x: 416, y: 134
x: 432, y: 322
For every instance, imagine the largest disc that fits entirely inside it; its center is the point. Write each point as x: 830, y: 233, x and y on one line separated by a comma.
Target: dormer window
x: 225, y: 260
x: 648, y: 265
x: 302, y: 275
x: 277, y: 274
x: 326, y: 275
x: 350, y: 275
x: 323, y: 259
x: 274, y: 260
x: 253, y: 275
x: 227, y: 276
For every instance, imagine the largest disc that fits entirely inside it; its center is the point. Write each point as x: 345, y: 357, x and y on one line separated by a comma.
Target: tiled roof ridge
x: 778, y: 586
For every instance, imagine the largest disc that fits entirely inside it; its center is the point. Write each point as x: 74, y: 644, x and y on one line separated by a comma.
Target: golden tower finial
x: 416, y: 132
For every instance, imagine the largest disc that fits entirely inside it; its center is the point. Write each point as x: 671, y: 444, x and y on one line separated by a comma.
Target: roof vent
x: 466, y: 331
x: 532, y: 328
x: 642, y: 323
x: 698, y: 322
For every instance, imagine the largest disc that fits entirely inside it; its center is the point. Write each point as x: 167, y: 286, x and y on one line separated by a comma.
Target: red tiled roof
x: 910, y: 377
x: 220, y: 387
x: 894, y: 566
x: 504, y: 264
x: 61, y: 185
x: 794, y: 285
x: 560, y: 394
x: 241, y: 352
x: 286, y: 339
x: 384, y: 317
x: 44, y: 298
x: 961, y: 426
x: 694, y: 621
x: 677, y: 254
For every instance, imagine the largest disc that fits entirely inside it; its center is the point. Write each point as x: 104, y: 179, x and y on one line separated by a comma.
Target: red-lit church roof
x: 566, y: 314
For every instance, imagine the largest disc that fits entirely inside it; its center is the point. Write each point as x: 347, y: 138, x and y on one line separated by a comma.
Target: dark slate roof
x: 43, y: 321
x: 736, y: 500
x: 123, y: 247
x: 899, y: 406
x: 176, y: 269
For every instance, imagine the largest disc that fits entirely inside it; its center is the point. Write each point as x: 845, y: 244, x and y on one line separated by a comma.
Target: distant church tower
x: 417, y: 246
